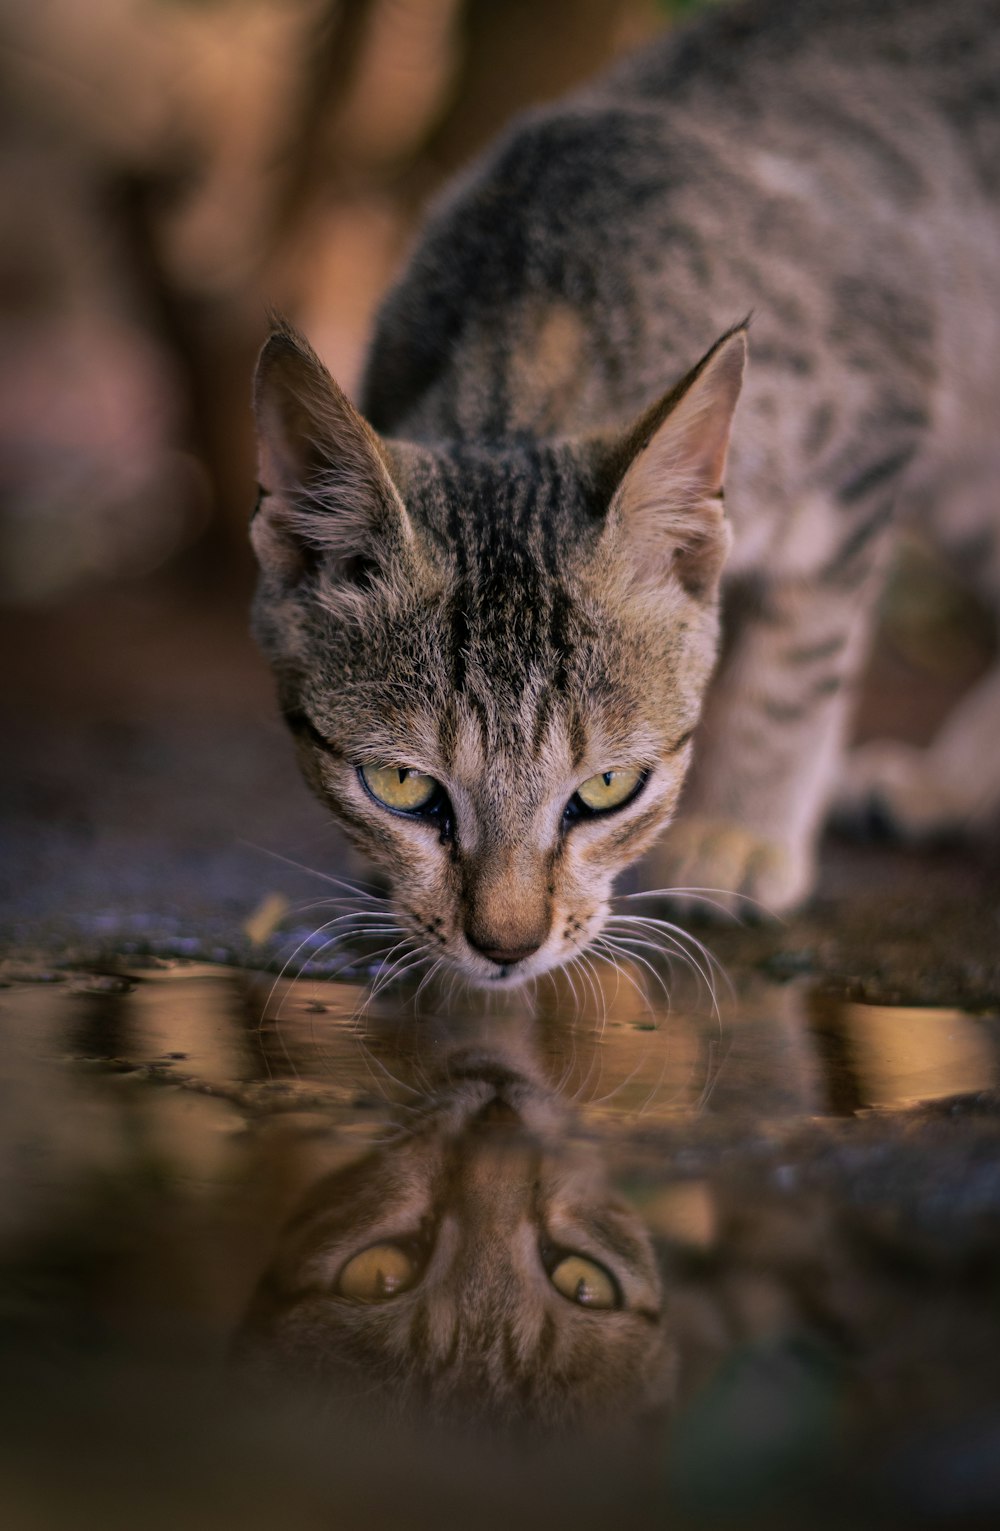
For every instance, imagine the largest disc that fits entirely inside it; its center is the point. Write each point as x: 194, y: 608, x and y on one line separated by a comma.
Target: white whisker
x: 338, y: 882
x: 602, y: 944
x: 627, y: 944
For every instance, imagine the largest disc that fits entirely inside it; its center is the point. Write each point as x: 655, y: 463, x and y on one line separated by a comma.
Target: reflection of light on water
x: 169, y: 1127
x: 685, y: 1213
x: 193, y: 1018
x: 904, y: 1054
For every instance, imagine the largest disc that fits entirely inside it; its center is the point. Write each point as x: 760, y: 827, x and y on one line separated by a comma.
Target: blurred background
x: 170, y: 170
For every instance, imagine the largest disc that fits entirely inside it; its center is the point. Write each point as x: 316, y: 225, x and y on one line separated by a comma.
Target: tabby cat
x: 492, y: 598
x: 477, y: 1271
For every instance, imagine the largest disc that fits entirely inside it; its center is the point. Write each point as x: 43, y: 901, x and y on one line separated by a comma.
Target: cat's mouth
x: 511, y: 975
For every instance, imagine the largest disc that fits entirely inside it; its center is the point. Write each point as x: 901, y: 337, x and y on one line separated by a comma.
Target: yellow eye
x: 377, y: 1274
x: 610, y: 788
x: 399, y: 786
x: 584, y: 1282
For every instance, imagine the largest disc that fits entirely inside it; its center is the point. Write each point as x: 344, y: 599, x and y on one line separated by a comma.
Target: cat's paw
x: 889, y: 788
x: 720, y: 868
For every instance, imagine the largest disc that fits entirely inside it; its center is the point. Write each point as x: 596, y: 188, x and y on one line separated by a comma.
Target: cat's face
x: 479, y: 1272
x: 493, y: 659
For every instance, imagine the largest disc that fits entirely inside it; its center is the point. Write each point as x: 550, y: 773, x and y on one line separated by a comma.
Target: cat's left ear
x: 668, y: 502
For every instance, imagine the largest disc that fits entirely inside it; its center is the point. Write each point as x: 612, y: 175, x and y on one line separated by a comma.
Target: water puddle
x: 564, y: 1212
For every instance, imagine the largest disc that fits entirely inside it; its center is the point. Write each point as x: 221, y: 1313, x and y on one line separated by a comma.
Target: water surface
x: 814, y: 1184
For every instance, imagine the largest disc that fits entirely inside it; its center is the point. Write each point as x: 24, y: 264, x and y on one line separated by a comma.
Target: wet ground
x: 230, y: 1199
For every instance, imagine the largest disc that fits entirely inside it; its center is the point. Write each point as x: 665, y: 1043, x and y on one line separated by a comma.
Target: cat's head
x: 478, y: 1272
x: 492, y: 655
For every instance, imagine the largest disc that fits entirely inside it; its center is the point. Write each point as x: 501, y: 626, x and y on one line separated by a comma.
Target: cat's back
x: 780, y: 155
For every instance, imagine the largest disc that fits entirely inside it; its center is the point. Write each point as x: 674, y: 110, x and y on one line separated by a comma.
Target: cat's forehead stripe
x: 509, y: 614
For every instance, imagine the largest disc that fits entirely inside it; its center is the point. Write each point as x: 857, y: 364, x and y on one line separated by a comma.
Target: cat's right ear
x: 326, y: 493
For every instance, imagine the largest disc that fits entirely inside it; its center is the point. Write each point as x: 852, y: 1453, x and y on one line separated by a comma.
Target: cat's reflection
x: 478, y: 1268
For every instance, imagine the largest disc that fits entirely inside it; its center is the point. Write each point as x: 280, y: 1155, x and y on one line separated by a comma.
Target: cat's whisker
x: 280, y: 976
x: 391, y: 972
x: 604, y: 945
x: 334, y: 904
x: 677, y: 931
x: 617, y: 973
x: 676, y: 936
x: 588, y: 974
x: 387, y: 967
x: 702, y: 896
x: 600, y: 998
x: 628, y: 945
x: 319, y: 952
x: 586, y: 977
x: 636, y: 944
x: 316, y: 931
x: 595, y: 1056
x: 670, y: 952
x: 357, y: 889
x: 568, y: 970
x: 279, y: 1014
x: 434, y: 968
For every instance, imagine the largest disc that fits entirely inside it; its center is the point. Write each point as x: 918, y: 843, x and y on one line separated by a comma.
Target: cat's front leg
x: 768, y: 747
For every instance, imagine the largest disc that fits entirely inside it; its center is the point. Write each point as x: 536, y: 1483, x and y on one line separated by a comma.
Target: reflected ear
x: 668, y: 504
x: 326, y: 491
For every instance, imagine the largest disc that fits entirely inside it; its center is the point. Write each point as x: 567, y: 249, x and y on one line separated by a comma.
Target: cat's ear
x: 326, y: 492
x: 668, y: 505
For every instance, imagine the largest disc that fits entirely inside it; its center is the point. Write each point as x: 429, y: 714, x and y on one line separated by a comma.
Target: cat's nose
x: 506, y: 956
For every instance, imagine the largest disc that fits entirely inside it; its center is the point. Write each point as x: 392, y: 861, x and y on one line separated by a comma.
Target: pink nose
x: 506, y: 956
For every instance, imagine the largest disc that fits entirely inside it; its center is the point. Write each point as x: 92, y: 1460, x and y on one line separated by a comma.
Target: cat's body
x: 547, y: 571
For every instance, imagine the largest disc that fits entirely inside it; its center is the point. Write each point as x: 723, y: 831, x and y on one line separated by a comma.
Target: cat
x: 493, y: 596
x: 477, y: 1271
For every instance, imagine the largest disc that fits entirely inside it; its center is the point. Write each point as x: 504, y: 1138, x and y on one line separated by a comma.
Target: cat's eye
x: 399, y: 787
x: 585, y: 1282
x: 378, y: 1274
x: 610, y: 789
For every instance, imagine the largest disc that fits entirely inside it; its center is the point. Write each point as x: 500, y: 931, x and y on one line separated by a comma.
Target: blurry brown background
x: 170, y: 169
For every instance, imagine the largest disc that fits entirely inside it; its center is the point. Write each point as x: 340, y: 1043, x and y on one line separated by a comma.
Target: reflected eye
x: 585, y: 1282
x: 610, y: 789
x: 377, y: 1274
x: 400, y: 787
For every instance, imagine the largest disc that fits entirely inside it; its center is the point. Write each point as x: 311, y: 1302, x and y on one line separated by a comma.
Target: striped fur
x: 506, y: 574
x: 486, y: 1182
